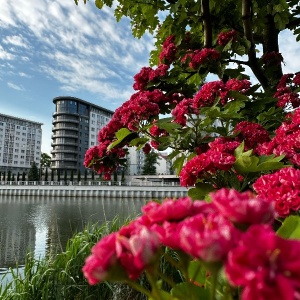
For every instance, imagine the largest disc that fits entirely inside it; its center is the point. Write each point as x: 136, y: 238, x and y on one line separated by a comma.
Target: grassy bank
x: 60, y: 277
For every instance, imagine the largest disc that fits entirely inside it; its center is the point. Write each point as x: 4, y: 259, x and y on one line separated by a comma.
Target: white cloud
x: 16, y: 40
x: 15, y: 86
x: 22, y: 74
x: 6, y: 55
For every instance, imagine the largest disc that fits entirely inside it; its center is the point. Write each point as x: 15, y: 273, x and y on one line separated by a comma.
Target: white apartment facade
x: 20, y: 144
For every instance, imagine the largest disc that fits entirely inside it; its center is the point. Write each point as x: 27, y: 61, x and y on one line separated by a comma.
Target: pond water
x: 45, y: 224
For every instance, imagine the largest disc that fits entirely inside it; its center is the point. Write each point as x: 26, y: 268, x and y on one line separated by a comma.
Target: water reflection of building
x: 17, y: 235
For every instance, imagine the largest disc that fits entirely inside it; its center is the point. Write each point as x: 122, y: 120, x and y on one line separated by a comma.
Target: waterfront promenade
x: 142, y: 189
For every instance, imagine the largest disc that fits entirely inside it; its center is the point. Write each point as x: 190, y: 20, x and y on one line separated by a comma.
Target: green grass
x: 60, y: 277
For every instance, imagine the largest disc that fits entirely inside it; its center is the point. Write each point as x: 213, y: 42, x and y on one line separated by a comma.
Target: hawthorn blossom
x: 148, y: 74
x: 208, y: 237
x: 205, y: 55
x: 182, y: 109
x: 286, y: 140
x: 243, y: 208
x: 265, y: 265
x: 169, y: 51
x: 209, y: 93
x: 123, y: 254
x: 208, y: 162
x: 287, y: 93
x: 252, y: 134
x: 282, y: 188
x: 225, y: 37
x: 103, y: 258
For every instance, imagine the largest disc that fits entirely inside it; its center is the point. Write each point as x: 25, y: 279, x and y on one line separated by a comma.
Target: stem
x: 206, y: 23
x: 155, y: 291
x: 247, y: 25
x: 214, y: 285
x: 138, y: 288
x: 169, y: 281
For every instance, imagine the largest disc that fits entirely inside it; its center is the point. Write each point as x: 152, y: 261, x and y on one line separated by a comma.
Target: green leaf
x: 200, y: 191
x: 120, y: 135
x: 290, y: 228
x: 185, y: 290
x: 138, y: 141
x: 178, y: 163
x: 246, y: 164
x: 196, y: 272
x: 169, y: 127
x: 239, y: 150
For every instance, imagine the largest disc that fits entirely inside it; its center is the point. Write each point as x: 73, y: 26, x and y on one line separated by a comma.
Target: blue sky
x: 51, y: 48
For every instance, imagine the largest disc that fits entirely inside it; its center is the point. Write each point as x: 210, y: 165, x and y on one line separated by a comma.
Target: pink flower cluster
x: 102, y: 160
x: 169, y: 51
x: 225, y: 37
x: 272, y: 58
x: 252, y: 134
x: 218, y: 157
x: 286, y: 140
x: 203, y: 56
x: 281, y: 188
x: 183, y: 108
x: 214, y: 90
x: 265, y: 265
x: 123, y: 254
x: 286, y: 91
x: 148, y: 74
x: 207, y: 231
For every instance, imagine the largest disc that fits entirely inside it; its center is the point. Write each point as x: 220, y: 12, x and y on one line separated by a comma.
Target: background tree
x: 58, y: 175
x: 72, y: 176
x: 33, y: 174
x: 4, y: 176
x: 52, y: 175
x: 9, y: 176
x: 46, y: 175
x: 149, y: 167
x: 78, y: 175
x: 23, y: 176
x: 93, y: 176
x: 115, y: 176
x: 18, y: 176
x: 85, y: 175
x: 45, y: 161
x: 65, y: 176
x: 13, y: 177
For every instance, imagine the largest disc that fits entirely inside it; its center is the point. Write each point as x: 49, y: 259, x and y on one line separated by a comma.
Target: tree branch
x: 240, y: 62
x: 206, y: 23
x: 247, y: 25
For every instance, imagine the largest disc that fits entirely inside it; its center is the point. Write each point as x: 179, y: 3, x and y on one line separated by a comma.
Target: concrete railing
x: 92, y: 189
x: 89, y: 183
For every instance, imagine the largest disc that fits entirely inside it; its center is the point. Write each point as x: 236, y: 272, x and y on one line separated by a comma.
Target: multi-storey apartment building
x: 20, y: 144
x: 75, y: 129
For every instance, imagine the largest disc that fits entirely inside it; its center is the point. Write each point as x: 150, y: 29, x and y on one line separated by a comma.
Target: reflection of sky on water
x: 45, y: 224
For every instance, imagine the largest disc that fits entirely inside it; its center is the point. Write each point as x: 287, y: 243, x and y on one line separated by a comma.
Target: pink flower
x: 97, y: 265
x: 205, y: 55
x: 225, y: 37
x: 252, y: 134
x: 265, y: 265
x: 243, y: 208
x: 208, y: 237
x: 137, y: 249
x: 282, y: 188
x: 208, y: 94
x: 168, y: 210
